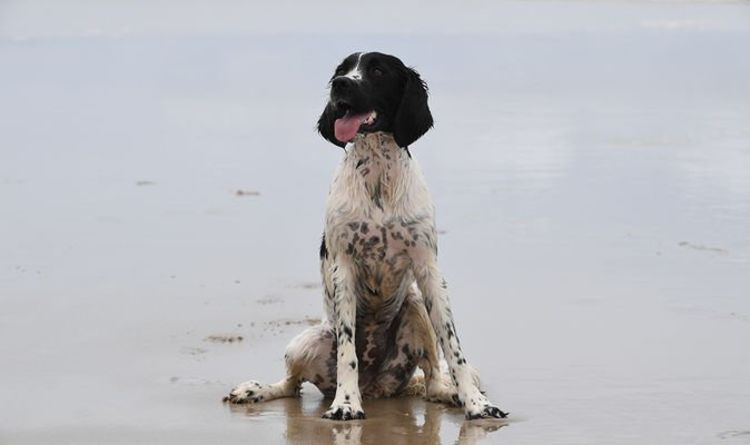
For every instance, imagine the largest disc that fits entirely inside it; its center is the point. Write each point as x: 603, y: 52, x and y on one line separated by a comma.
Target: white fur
x: 348, y: 398
x: 380, y: 240
x: 355, y: 72
x: 402, y: 198
x: 255, y: 392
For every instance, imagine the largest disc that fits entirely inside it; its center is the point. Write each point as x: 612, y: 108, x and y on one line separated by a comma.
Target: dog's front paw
x: 478, y: 407
x: 247, y: 392
x: 344, y: 412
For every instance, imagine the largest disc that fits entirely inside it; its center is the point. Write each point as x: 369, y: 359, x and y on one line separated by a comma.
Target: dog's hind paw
x: 247, y: 392
x: 344, y: 412
x: 450, y: 399
x: 485, y: 412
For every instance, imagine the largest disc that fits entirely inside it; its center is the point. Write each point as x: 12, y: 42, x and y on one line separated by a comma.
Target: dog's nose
x: 341, y: 85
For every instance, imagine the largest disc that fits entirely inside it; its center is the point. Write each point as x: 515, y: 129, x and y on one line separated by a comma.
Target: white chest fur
x: 379, y: 212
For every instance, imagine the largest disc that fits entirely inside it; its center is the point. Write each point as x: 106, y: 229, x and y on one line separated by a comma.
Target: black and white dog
x: 386, y: 301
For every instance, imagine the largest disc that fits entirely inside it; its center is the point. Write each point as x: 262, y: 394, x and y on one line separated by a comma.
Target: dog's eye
x: 377, y: 72
x: 339, y: 71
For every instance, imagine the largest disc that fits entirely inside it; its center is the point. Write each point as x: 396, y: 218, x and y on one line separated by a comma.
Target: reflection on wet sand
x: 393, y: 421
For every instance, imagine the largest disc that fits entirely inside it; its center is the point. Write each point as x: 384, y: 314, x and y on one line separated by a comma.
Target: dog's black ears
x: 413, y: 117
x: 325, y: 126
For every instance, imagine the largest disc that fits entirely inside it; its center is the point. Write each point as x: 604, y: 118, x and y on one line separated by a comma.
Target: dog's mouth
x: 347, y: 126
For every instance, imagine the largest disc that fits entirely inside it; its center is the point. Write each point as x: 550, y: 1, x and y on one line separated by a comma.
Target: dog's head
x: 375, y: 92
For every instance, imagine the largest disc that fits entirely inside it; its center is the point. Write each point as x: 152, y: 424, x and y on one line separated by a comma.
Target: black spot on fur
x: 323, y: 249
x: 347, y: 331
x: 487, y: 411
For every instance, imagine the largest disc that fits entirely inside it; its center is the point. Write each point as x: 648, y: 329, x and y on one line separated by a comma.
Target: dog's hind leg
x: 437, y: 384
x: 438, y: 387
x: 310, y: 357
x: 255, y: 392
x: 433, y: 383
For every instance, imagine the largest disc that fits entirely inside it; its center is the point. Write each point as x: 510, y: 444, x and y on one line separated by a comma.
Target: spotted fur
x: 386, y: 302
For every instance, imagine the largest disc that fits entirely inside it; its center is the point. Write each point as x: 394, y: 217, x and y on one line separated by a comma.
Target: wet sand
x: 162, y: 193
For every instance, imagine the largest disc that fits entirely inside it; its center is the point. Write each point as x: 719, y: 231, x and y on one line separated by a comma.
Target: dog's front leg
x: 347, y: 404
x: 435, y: 292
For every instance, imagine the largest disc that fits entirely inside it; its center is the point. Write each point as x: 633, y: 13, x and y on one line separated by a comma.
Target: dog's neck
x: 381, y: 164
x: 379, y: 144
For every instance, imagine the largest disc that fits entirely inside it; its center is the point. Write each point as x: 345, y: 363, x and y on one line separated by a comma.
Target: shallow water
x: 590, y: 166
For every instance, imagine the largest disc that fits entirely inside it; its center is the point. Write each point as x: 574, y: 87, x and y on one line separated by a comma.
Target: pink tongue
x: 346, y: 128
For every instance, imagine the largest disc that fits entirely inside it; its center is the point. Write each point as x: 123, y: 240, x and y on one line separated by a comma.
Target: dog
x: 386, y: 301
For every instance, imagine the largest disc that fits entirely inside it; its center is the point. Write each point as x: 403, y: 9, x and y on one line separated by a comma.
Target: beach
x: 163, y: 187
